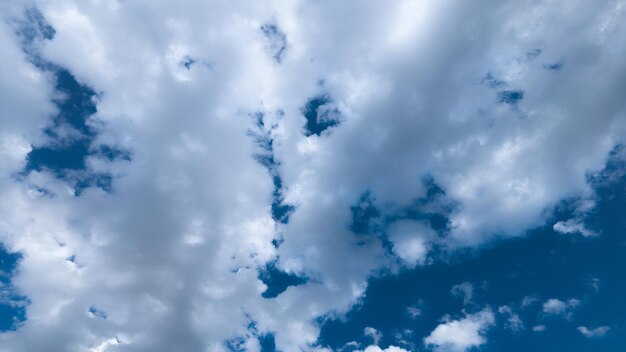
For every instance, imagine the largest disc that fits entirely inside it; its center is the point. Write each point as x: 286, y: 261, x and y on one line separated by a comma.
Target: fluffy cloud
x: 498, y: 114
x: 461, y: 335
x: 573, y: 226
x: 411, y: 241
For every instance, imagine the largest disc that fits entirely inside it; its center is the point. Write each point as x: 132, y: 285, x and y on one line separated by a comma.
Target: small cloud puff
x: 461, y: 335
x: 555, y: 306
x: 410, y: 241
x: 539, y: 328
x: 413, y: 312
x: 594, y: 332
x: 572, y: 226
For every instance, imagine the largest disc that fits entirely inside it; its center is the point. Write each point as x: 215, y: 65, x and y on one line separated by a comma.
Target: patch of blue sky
x: 187, y: 62
x: 12, y: 305
x: 506, y: 96
x: 370, y: 221
x: 265, y: 340
x: 520, y: 273
x: 32, y: 28
x: 432, y: 208
x: 365, y: 216
x: 263, y: 139
x: 97, y: 313
x: 320, y: 114
x: 70, y: 135
x: 278, y: 281
x: 276, y: 41
x: 511, y: 97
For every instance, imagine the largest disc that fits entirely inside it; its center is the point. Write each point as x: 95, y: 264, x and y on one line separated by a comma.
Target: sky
x: 311, y: 175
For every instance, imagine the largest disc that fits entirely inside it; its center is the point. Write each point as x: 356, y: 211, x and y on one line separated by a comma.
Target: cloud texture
x: 506, y: 106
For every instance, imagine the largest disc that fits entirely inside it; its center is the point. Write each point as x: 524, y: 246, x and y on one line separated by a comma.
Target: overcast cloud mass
x: 236, y: 175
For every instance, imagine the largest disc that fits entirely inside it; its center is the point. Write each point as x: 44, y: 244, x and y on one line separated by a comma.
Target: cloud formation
x: 594, y: 332
x: 489, y: 100
x: 463, y: 334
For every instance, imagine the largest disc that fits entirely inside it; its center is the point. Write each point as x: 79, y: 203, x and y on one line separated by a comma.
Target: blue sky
x: 542, y: 265
x: 313, y: 176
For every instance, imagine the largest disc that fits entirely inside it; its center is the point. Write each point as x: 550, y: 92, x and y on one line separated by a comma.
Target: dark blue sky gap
x: 507, y: 96
x: 276, y: 280
x: 544, y: 265
x: 510, y: 96
x: 12, y: 305
x: 71, y: 138
x: 369, y: 222
x: 263, y: 139
x: 318, y: 120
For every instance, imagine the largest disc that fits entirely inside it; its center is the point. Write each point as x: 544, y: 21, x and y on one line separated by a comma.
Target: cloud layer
x: 505, y: 106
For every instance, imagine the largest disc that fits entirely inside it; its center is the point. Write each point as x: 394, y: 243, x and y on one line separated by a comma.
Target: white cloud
x: 461, y: 335
x: 573, y: 226
x: 555, y: 306
x: 410, y: 241
x: 593, y: 332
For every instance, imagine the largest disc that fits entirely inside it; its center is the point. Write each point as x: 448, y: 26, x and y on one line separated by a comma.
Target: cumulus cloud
x: 171, y: 252
x: 411, y: 241
x: 594, y: 332
x: 463, y: 334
